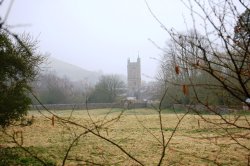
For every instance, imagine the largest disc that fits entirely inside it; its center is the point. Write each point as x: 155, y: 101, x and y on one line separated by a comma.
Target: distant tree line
x: 110, y: 88
x: 52, y: 89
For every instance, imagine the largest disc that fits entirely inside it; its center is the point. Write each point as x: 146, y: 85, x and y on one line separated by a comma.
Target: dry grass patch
x: 137, y: 131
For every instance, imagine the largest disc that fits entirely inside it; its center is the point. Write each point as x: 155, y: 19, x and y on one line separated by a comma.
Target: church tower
x: 134, y: 78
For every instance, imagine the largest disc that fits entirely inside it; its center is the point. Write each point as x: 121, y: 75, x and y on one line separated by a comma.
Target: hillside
x: 74, y: 73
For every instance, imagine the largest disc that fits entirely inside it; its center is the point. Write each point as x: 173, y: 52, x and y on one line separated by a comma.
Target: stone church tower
x: 134, y: 78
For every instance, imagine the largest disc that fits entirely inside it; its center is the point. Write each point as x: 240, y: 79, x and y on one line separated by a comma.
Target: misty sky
x: 98, y: 34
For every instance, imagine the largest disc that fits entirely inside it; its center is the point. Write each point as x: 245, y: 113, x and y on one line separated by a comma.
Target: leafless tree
x: 213, y: 57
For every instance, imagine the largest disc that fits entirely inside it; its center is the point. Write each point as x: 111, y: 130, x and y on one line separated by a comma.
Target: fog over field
x: 125, y: 82
x: 98, y: 35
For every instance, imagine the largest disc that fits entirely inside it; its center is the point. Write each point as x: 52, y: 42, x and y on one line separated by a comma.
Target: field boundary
x: 84, y: 106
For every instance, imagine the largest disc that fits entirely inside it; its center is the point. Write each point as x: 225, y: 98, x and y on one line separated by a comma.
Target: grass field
x: 195, y: 142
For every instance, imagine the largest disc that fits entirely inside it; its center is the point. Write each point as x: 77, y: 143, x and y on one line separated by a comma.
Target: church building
x: 134, y: 78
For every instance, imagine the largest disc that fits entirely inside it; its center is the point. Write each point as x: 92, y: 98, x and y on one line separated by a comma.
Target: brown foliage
x: 177, y: 69
x: 185, y: 90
